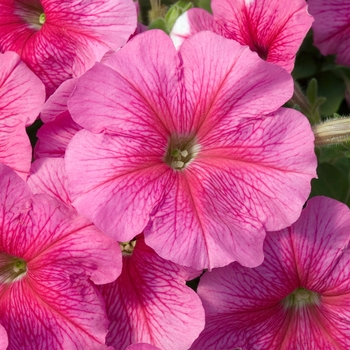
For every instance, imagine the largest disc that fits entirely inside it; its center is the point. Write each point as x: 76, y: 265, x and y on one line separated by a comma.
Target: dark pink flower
x: 150, y: 302
x: 22, y: 95
x: 49, y: 257
x: 332, y: 28
x: 61, y: 39
x: 299, y: 298
x: 274, y: 29
x: 190, y: 145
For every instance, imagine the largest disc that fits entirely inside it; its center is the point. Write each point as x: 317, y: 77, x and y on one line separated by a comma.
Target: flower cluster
x: 160, y: 160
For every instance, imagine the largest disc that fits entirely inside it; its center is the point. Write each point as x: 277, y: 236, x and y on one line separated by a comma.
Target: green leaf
x: 159, y: 23
x: 332, y: 88
x: 311, y: 91
x: 204, y: 4
x: 331, y: 182
x: 175, y: 12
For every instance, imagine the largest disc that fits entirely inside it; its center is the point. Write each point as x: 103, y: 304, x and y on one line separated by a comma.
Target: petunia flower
x: 49, y: 259
x: 61, y: 39
x: 274, y: 29
x: 332, y: 28
x: 150, y: 302
x: 189, y: 148
x: 3, y: 338
x: 22, y: 95
x: 298, y: 299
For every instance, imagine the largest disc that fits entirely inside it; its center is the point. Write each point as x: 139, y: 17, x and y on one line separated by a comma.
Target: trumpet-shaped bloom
x: 22, y: 95
x: 61, y: 39
x: 189, y: 147
x: 298, y: 299
x: 49, y: 257
x: 150, y: 302
x: 332, y: 28
x: 274, y: 29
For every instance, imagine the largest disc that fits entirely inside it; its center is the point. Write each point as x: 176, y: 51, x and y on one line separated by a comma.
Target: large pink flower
x: 274, y: 29
x: 150, y: 302
x: 184, y: 144
x: 332, y: 28
x: 299, y: 298
x: 60, y: 39
x: 22, y: 95
x: 49, y: 257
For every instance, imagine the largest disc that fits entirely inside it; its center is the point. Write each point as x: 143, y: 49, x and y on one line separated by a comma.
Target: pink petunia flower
x: 298, y: 299
x: 61, y: 39
x: 332, y: 28
x: 22, y: 95
x: 274, y: 29
x: 150, y: 302
x: 189, y: 147
x: 3, y: 338
x: 49, y: 257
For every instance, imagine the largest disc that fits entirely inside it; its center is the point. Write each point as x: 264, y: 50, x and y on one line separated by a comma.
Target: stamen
x: 181, y: 151
x: 127, y: 248
x: 42, y: 18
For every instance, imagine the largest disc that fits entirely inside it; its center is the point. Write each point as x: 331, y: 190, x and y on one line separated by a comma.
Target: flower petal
x: 140, y: 94
x: 191, y: 22
x: 238, y: 85
x: 116, y: 181
x: 150, y: 303
x: 332, y: 28
x: 272, y: 28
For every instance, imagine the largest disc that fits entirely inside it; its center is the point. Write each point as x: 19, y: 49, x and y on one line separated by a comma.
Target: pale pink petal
x: 22, y: 95
x: 208, y: 233
x: 120, y: 193
x: 323, y: 228
x: 268, y: 161
x: 48, y: 175
x: 69, y: 316
x: 274, y: 29
x: 140, y: 95
x: 245, y: 308
x: 332, y: 28
x: 151, y: 303
x: 74, y: 36
x: 191, y: 22
x: 16, y: 150
x: 56, y: 104
x: 4, y: 339
x: 220, y: 91
x: 53, y: 137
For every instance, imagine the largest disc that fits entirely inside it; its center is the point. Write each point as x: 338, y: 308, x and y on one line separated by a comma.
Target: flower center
x: 181, y: 151
x: 11, y: 268
x: 127, y: 247
x: 301, y: 297
x: 33, y: 13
